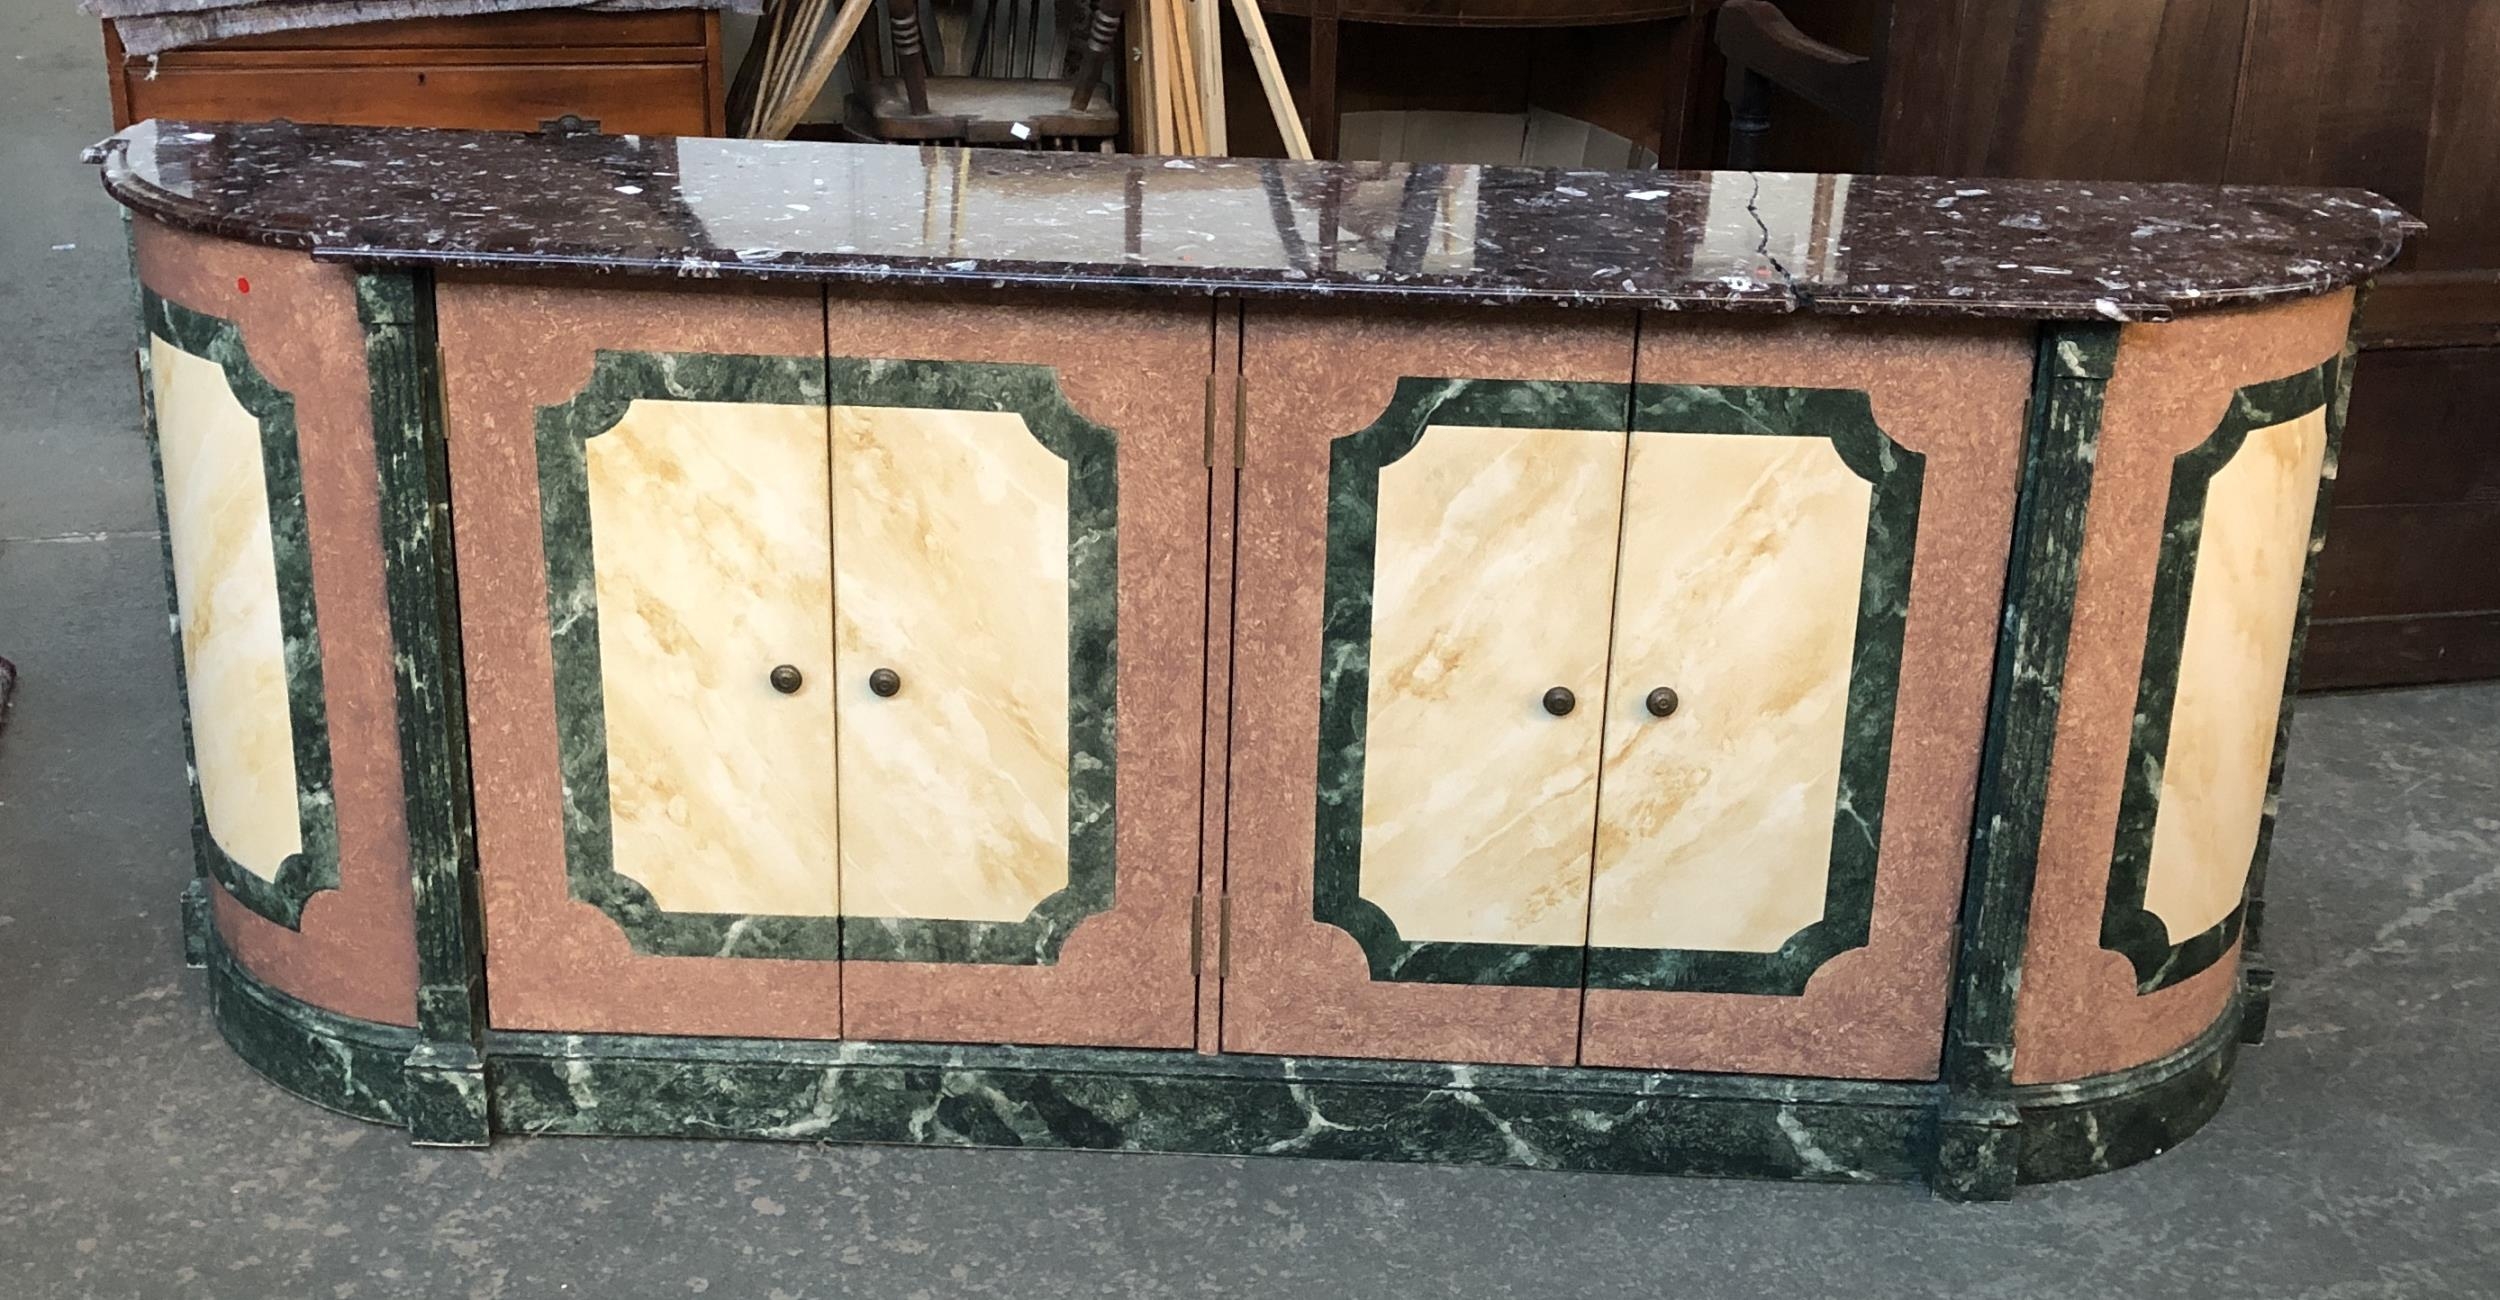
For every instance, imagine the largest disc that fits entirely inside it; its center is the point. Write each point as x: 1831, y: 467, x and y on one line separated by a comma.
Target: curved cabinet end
x: 2110, y: 1121
x: 355, y: 1067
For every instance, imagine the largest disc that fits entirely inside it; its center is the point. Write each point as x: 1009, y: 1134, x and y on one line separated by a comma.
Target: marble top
x: 1411, y: 232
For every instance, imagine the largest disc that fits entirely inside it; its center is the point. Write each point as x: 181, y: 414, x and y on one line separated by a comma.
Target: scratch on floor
x: 2416, y: 917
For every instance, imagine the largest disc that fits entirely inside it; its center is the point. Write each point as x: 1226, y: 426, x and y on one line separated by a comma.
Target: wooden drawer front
x: 645, y: 74
x: 645, y: 99
x: 547, y: 29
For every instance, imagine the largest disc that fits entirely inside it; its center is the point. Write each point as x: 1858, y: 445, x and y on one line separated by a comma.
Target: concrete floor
x: 2358, y: 1157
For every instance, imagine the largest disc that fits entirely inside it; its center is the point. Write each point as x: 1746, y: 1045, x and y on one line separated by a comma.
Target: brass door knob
x: 786, y: 679
x: 1559, y: 701
x: 884, y: 682
x: 1661, y: 702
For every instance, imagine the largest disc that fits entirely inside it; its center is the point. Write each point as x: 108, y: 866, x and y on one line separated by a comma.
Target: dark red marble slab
x: 1414, y: 232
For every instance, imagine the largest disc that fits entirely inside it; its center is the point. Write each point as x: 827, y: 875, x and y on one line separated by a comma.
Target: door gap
x: 1606, y: 695
x: 833, y: 664
x: 1232, y: 657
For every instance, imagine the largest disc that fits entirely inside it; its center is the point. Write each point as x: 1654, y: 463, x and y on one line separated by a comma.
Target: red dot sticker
x: 242, y: 285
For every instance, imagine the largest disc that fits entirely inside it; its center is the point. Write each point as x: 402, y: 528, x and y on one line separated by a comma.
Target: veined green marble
x: 1119, y: 1099
x: 1978, y: 1122
x: 198, y: 917
x: 2071, y: 1130
x: 2256, y: 974
x: 617, y: 381
x: 316, y: 866
x: 2259, y: 979
x: 446, y: 1076
x: 2126, y: 927
x: 1847, y: 418
x: 197, y: 921
x: 1354, y: 466
x: 1124, y: 1100
x: 1091, y: 453
x: 344, y: 1064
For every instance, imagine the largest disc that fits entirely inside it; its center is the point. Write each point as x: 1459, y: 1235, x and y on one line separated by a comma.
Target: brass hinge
x: 1208, y: 449
x: 1223, y: 933
x: 1241, y: 418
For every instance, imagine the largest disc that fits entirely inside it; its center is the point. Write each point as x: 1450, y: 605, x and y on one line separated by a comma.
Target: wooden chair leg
x: 1763, y: 49
x: 1101, y: 36
x: 911, y: 58
x: 1748, y: 117
x: 976, y: 47
x: 1321, y: 111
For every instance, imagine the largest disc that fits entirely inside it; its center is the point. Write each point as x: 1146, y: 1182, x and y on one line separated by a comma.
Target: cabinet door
x: 1469, y: 576
x: 645, y: 539
x: 1814, y: 547
x: 1428, y: 523
x: 1728, y: 829
x: 1020, y: 525
x: 710, y: 596
x: 956, y: 606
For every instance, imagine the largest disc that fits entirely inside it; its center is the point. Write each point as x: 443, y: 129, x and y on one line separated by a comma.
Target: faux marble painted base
x: 1111, y: 1099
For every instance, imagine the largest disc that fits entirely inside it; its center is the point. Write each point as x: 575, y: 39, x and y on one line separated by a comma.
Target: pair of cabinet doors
x: 1564, y: 696
x: 841, y: 713
x: 892, y: 575
x: 1414, y: 845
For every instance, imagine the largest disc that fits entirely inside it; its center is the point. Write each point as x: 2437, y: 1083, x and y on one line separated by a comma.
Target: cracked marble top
x: 1421, y: 232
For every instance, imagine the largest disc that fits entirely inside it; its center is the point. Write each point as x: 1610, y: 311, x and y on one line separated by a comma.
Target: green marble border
x: 1847, y: 418
x: 446, y: 1075
x: 316, y: 866
x: 197, y: 912
x: 2126, y: 927
x: 2256, y: 974
x: 2111, y: 1121
x: 2338, y: 402
x: 1121, y: 1099
x: 618, y: 380
x: 621, y: 378
x: 1354, y: 465
x: 1091, y: 454
x: 336, y: 1062
x: 1978, y: 1118
x: 1180, y: 1102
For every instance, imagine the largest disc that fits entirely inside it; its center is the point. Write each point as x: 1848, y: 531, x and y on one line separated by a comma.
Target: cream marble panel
x: 709, y: 525
x: 951, y: 562
x: 2241, y: 606
x: 226, y: 588
x: 1491, y: 580
x: 1739, y: 590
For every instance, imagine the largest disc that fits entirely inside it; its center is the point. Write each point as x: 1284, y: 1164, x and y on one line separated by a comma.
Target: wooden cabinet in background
x: 2401, y: 96
x: 653, y: 73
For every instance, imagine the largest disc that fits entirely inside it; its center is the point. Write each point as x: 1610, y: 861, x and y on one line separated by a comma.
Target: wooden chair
x: 1765, y: 51
x: 1327, y: 18
x: 1019, y: 82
